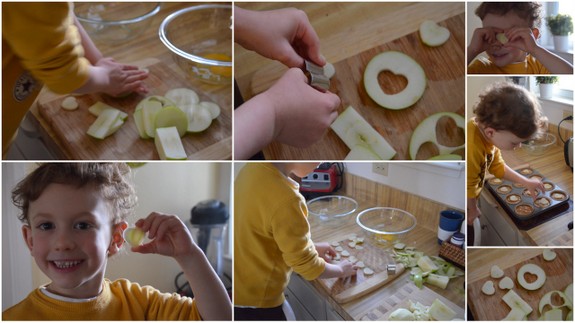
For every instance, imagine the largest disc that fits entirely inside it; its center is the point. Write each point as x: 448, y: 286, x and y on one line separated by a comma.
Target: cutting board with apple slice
x: 559, y: 273
x: 375, y: 258
x: 70, y: 126
x: 444, y: 68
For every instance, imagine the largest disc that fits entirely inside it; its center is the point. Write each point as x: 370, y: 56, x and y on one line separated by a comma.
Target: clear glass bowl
x: 115, y: 21
x: 538, y: 146
x: 200, y: 39
x: 386, y: 225
x: 331, y: 209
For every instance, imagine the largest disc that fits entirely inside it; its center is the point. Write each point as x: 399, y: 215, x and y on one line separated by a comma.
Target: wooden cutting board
x: 374, y: 257
x: 70, y: 126
x: 492, y: 308
x: 444, y: 68
x: 401, y: 298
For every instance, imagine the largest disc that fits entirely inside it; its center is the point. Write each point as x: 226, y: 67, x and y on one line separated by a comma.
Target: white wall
x: 172, y: 188
x: 427, y: 180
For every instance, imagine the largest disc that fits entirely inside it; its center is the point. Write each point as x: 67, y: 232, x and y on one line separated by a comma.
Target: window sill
x: 559, y: 100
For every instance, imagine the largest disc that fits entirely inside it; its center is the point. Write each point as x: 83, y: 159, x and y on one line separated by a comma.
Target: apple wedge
x: 400, y: 64
x: 432, y: 34
x: 100, y: 106
x: 101, y: 128
x: 425, y: 132
x: 352, y: 128
x: 169, y: 144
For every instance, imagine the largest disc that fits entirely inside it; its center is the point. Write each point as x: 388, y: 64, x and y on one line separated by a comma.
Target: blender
x: 208, y: 220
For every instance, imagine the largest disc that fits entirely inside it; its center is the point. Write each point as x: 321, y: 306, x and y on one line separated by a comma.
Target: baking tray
x: 520, y: 206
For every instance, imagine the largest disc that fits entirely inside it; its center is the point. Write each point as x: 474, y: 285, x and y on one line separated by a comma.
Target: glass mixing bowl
x: 386, y: 225
x: 332, y: 209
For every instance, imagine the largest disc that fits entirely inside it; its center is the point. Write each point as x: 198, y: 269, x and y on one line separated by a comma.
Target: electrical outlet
x: 380, y: 168
x: 567, y: 113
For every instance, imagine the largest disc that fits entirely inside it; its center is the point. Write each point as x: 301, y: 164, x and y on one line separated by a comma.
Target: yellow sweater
x: 40, y: 43
x: 483, y: 65
x: 119, y: 300
x: 271, y: 236
x: 481, y: 157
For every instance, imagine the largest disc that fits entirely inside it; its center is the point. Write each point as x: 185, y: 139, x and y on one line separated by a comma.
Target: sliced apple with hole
x: 426, y: 132
x: 199, y: 118
x: 432, y: 34
x: 399, y: 64
x: 169, y: 144
x: 354, y: 130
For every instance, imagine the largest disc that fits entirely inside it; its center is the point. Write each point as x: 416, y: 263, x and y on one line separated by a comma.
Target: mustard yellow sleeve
x: 166, y: 306
x: 47, y: 42
x: 292, y: 234
x: 497, y: 167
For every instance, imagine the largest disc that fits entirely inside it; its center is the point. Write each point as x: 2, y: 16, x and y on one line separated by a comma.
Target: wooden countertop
x: 421, y: 238
x: 145, y: 46
x: 552, y: 165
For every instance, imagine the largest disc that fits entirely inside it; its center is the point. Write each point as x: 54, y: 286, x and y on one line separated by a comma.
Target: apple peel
x: 425, y: 132
x: 399, y: 64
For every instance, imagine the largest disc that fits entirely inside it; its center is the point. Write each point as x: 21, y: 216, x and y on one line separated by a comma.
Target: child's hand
x: 521, y: 38
x: 534, y: 186
x: 325, y: 251
x: 302, y: 113
x: 347, y: 268
x: 285, y: 35
x: 473, y: 213
x: 481, y: 40
x: 115, y: 79
x: 170, y: 236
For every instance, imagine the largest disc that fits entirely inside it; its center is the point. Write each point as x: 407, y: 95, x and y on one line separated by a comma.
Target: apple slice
x: 69, y: 103
x: 425, y: 132
x: 183, y: 97
x: 400, y: 64
x: 496, y: 272
x: 515, y: 301
x: 149, y: 112
x: 100, y: 106
x: 352, y: 128
x: 506, y: 283
x: 169, y: 144
x: 488, y: 288
x: 433, y: 34
x: 212, y: 107
x: 172, y: 117
x: 502, y: 38
x: 329, y: 70
x: 441, y: 312
x: 199, y: 118
x: 100, y: 129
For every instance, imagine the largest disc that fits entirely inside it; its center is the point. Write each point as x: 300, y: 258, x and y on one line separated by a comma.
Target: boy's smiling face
x: 504, y: 55
x: 70, y: 238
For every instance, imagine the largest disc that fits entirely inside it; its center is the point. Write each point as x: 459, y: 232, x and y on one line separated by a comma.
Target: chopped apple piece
x: 199, y: 118
x: 169, y: 144
x: 488, y: 288
x: 515, y: 301
x: 352, y: 128
x: 69, y: 103
x: 100, y: 129
x: 172, y: 117
x: 433, y: 34
x: 502, y: 38
x: 100, y: 106
x: 441, y: 312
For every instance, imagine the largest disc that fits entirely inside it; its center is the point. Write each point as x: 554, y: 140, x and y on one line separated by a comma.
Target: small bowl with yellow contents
x: 200, y: 39
x: 386, y: 225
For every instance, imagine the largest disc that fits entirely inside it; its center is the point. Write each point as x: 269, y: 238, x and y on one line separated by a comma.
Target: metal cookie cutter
x: 316, y: 76
x: 391, y: 269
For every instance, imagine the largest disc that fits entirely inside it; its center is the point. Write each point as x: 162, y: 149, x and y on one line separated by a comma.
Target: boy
x: 505, y: 116
x: 45, y: 43
x: 518, y: 51
x: 272, y: 237
x: 74, y: 217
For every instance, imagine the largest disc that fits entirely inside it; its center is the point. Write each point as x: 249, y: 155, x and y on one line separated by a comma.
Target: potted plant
x: 546, y: 85
x: 561, y: 26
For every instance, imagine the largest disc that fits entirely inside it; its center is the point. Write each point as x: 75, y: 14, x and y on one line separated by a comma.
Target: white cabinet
x: 307, y: 303
x: 496, y: 228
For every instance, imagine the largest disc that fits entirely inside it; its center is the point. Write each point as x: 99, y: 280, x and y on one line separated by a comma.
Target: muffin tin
x: 517, y: 202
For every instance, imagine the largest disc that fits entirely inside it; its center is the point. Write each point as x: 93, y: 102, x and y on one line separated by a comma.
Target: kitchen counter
x: 551, y: 165
x: 140, y: 49
x: 420, y: 237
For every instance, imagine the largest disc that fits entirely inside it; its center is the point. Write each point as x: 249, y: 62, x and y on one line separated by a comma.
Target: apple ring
x: 425, y: 132
x: 400, y: 64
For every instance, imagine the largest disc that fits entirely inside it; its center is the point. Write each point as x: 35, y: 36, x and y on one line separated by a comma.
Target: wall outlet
x: 567, y: 113
x: 380, y: 168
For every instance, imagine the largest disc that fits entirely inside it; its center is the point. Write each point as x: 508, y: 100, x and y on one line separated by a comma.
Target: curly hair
x: 510, y: 107
x: 111, y: 179
x: 529, y: 11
